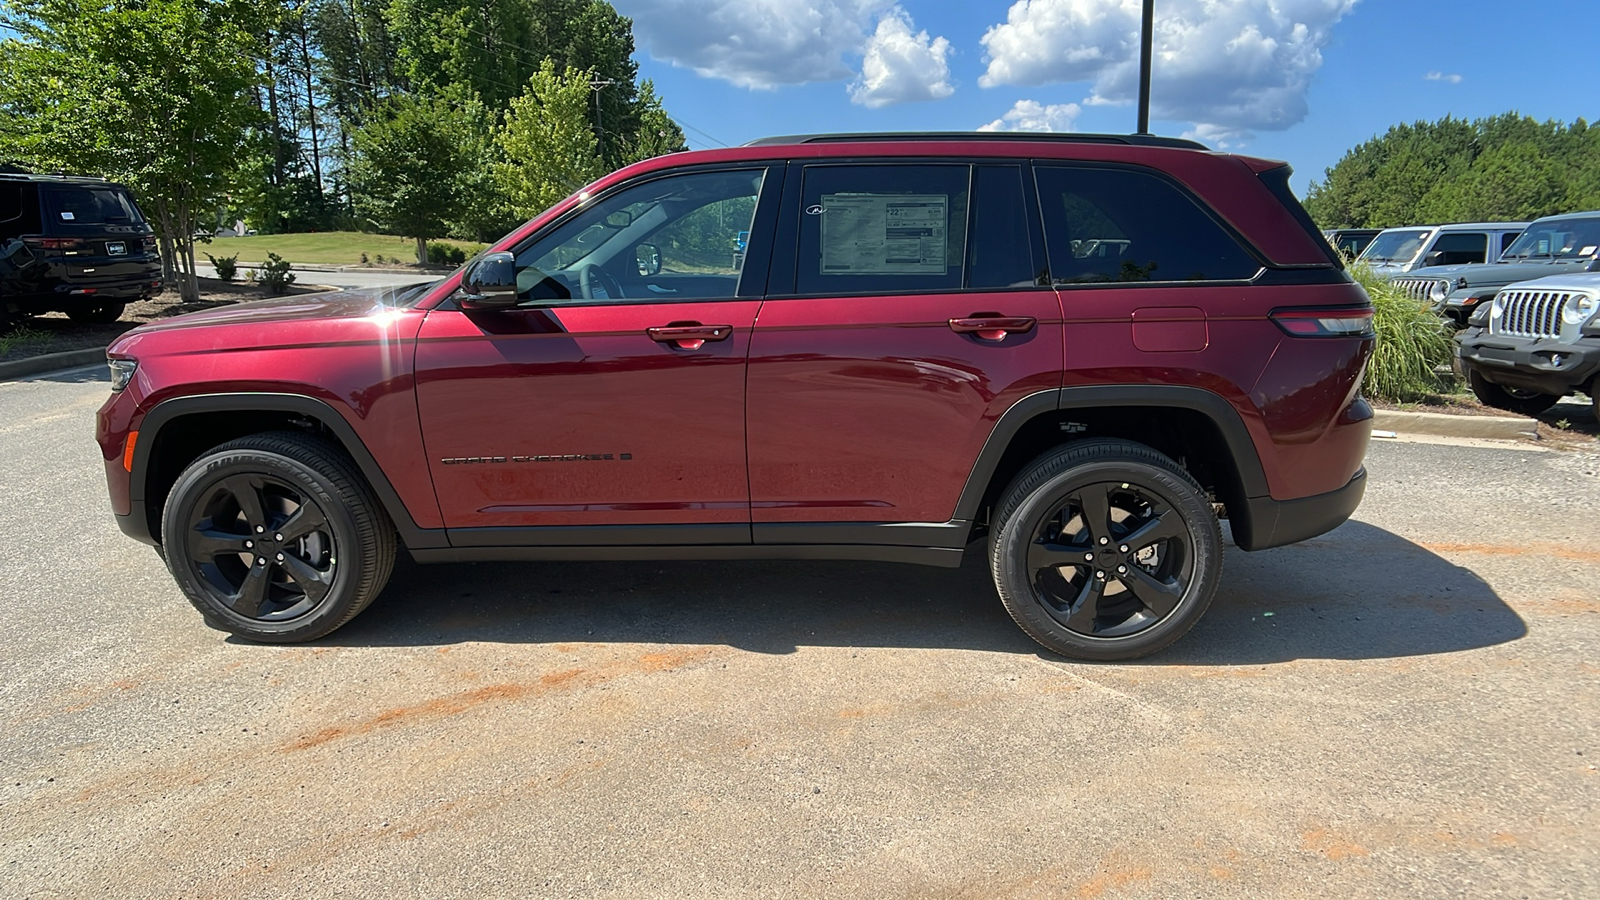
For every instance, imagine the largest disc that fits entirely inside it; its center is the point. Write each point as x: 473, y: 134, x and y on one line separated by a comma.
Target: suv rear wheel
x: 99, y: 314
x: 1105, y: 550
x: 1522, y: 402
x: 276, y: 538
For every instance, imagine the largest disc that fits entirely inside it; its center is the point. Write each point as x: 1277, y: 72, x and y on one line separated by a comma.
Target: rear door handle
x: 992, y: 327
x: 689, y: 335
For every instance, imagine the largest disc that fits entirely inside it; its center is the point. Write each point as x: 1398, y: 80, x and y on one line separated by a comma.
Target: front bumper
x: 1545, y: 365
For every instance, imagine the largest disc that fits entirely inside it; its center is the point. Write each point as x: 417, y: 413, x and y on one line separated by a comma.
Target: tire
x: 1525, y: 403
x: 1059, y: 576
x: 337, y: 543
x: 99, y: 314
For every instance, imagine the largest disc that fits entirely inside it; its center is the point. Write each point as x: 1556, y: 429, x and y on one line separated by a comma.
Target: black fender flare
x: 1220, y: 412
x: 166, y: 411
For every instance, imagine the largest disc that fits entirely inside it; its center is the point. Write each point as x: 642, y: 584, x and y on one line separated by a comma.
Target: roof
x: 61, y: 179
x: 1463, y: 226
x: 1142, y: 140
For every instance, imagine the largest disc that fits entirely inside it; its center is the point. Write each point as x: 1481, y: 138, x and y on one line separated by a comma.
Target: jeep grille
x: 1531, y: 314
x: 1416, y: 288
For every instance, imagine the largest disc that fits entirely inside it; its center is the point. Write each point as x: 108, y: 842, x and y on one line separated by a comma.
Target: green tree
x: 408, y: 165
x: 1502, y: 167
x: 1512, y: 182
x: 157, y: 95
x: 547, y: 147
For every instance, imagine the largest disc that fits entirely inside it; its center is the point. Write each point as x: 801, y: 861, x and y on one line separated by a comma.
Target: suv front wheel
x: 276, y: 538
x: 1517, y: 400
x: 1105, y: 550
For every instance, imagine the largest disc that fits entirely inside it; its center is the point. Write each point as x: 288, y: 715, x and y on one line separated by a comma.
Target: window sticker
x: 1589, y: 250
x: 884, y: 234
x: 67, y: 217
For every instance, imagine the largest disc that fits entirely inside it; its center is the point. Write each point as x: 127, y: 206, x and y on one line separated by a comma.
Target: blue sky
x: 1300, y: 80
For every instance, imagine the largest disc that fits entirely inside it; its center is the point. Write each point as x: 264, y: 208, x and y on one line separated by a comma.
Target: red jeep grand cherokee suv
x: 876, y: 347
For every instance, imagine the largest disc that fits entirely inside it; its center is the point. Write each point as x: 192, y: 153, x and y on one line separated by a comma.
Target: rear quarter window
x: 19, y: 209
x: 1106, y: 225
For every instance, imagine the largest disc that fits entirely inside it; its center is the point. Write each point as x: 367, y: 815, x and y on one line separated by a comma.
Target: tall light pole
x: 1145, y: 34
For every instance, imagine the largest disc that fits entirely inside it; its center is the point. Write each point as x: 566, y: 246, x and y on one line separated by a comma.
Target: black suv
x: 73, y: 245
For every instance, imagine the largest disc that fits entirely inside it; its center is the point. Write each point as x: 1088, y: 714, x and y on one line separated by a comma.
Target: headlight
x: 1579, y: 309
x: 121, y: 372
x: 1439, y: 291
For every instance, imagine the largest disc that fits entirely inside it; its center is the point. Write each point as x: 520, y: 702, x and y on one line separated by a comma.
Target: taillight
x: 1325, y: 322
x: 46, y: 243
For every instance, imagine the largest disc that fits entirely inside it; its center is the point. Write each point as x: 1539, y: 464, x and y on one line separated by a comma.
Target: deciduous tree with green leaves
x: 156, y: 94
x: 547, y: 148
x: 409, y: 163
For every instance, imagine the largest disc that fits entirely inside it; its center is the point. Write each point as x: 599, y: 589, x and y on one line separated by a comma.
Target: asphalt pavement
x: 1406, y: 707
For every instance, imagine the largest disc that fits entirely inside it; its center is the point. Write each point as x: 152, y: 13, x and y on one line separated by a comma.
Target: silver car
x: 1397, y: 251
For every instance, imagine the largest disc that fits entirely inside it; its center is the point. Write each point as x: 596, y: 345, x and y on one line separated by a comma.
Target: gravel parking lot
x: 1409, y: 706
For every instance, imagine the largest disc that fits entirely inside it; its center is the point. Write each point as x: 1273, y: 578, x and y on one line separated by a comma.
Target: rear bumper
x: 1274, y: 523
x: 1537, y: 364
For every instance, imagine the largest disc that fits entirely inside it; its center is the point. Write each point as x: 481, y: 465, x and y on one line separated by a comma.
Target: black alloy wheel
x: 1105, y: 550
x: 262, y: 548
x: 1111, y: 560
x: 276, y: 537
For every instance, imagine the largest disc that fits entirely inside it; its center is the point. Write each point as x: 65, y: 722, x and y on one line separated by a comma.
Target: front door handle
x: 689, y: 335
x: 992, y: 326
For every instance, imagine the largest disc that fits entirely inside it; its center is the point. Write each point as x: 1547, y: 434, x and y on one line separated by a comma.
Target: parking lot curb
x: 51, y: 362
x: 1505, y: 428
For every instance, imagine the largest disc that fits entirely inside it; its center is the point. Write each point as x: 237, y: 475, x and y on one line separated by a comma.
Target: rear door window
x: 72, y: 204
x: 1107, y: 225
x: 1507, y: 239
x: 881, y: 229
x: 1459, y: 248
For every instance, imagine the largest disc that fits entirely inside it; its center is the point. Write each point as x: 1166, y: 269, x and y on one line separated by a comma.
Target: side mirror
x: 649, y: 256
x: 1433, y: 259
x: 490, y: 282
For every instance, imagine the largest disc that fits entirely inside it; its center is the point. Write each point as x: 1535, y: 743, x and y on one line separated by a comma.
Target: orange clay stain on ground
x: 1330, y: 845
x: 454, y: 704
x: 1556, y: 550
x: 1112, y: 879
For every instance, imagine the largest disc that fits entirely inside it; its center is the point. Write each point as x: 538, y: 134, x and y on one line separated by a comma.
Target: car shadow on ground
x: 1359, y: 592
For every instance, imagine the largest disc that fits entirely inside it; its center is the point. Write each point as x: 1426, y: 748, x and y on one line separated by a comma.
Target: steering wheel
x: 590, y: 274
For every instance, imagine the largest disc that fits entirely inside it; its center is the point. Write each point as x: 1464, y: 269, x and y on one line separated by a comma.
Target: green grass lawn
x: 336, y: 247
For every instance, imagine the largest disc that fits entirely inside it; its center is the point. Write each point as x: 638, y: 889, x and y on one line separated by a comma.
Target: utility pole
x: 1145, y: 35
x: 598, y: 84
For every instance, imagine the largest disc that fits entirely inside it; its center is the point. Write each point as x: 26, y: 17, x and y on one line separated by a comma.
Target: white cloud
x: 1031, y: 115
x: 1440, y: 76
x: 1229, y: 66
x: 756, y: 43
x: 901, y: 67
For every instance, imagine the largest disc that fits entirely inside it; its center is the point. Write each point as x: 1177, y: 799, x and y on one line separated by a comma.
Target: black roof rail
x: 52, y: 176
x: 1141, y: 140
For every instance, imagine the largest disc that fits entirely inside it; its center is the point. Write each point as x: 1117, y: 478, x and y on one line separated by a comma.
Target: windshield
x: 90, y: 205
x: 1567, y: 239
x: 1395, y: 246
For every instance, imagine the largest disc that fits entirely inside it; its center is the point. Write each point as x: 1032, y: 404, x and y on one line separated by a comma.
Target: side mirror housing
x: 1433, y: 259
x: 490, y: 282
x: 649, y: 256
